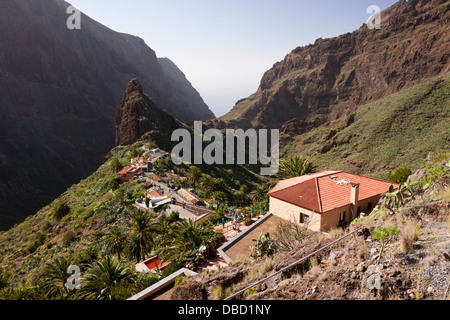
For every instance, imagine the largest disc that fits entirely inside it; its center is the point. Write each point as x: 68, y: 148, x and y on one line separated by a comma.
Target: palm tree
x: 54, y: 278
x: 133, y: 248
x: 104, y: 279
x: 193, y: 175
x: 208, y: 185
x: 115, y: 240
x: 184, y: 237
x: 295, y: 167
x: 165, y: 229
x: 142, y: 226
x: 219, y: 197
x: 258, y: 195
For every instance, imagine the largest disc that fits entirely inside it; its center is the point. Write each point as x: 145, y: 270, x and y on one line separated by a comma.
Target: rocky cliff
x: 58, y: 92
x: 332, y: 77
x: 137, y: 115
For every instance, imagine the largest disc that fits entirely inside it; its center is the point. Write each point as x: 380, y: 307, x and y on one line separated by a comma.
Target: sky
x: 225, y: 46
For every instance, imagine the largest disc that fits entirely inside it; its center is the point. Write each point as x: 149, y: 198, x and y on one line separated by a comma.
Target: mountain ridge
x: 59, y: 89
x: 329, y: 79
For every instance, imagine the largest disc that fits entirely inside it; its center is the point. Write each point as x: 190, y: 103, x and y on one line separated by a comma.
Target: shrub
x: 179, y: 280
x: 264, y: 246
x: 47, y: 226
x: 174, y: 216
x: 407, y: 239
x: 217, y: 216
x: 400, y: 175
x: 145, y: 281
x: 3, y: 281
x: 220, y: 292
x: 248, y: 222
x: 68, y: 238
x: 384, y: 235
x: 32, y: 248
x: 251, y: 291
x: 61, y: 210
x: 87, y: 256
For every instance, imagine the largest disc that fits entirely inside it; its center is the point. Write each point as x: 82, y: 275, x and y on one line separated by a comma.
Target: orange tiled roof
x: 124, y: 170
x: 321, y: 192
x: 155, y: 194
x: 188, y: 195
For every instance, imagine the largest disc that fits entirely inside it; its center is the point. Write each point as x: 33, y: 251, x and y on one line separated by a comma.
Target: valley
x: 111, y: 161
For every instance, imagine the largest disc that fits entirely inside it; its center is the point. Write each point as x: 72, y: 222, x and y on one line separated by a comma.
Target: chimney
x: 354, y: 195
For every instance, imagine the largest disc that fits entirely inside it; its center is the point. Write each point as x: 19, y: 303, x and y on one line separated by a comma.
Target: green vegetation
x: 264, y: 246
x: 400, y: 175
x: 384, y: 235
x: 294, y: 167
x: 61, y: 210
x: 95, y: 226
x: 397, y: 131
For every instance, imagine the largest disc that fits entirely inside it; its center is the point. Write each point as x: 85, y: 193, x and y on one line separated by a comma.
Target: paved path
x: 184, y: 214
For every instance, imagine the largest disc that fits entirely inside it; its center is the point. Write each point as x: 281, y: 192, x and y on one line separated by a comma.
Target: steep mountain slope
x: 332, y: 77
x: 397, y: 131
x: 189, y: 104
x: 99, y: 202
x: 58, y: 92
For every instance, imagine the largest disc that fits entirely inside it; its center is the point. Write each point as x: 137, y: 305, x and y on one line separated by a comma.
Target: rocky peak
x: 134, y: 87
x: 138, y: 116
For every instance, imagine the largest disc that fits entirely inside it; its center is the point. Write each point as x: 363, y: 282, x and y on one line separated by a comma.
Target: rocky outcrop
x: 332, y: 77
x: 137, y: 115
x: 59, y: 89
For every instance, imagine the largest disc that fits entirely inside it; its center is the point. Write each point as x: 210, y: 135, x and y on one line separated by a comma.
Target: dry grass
x: 448, y: 224
x: 431, y: 259
x: 336, y: 232
x: 220, y: 292
x: 362, y: 250
x: 259, y: 269
x: 410, y: 234
x: 315, y: 271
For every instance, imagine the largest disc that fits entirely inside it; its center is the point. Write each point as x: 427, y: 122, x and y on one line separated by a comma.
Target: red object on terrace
x: 124, y: 171
x: 155, y: 263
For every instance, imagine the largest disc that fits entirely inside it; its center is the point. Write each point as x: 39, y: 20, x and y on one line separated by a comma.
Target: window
x: 304, y: 218
x: 342, y: 216
x: 369, y: 206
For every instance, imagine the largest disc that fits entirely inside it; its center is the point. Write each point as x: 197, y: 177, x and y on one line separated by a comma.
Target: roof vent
x: 343, y: 182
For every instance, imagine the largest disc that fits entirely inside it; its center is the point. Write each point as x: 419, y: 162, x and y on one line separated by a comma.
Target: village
x: 318, y: 202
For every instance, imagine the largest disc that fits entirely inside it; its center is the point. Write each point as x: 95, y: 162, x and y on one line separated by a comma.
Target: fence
x: 293, y: 264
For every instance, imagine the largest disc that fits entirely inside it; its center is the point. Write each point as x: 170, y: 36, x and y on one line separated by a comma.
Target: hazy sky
x: 225, y: 46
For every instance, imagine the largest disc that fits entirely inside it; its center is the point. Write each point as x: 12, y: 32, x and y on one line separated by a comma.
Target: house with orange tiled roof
x: 157, y: 178
x: 128, y: 173
x: 323, y: 200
